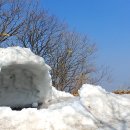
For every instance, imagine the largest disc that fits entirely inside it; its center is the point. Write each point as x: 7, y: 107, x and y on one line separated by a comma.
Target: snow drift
x: 24, y: 78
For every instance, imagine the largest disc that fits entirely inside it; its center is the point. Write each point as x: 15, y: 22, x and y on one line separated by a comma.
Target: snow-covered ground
x: 94, y: 109
x: 24, y: 78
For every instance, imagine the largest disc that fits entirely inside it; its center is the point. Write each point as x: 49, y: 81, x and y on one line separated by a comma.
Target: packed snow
x: 24, y: 78
x: 93, y: 109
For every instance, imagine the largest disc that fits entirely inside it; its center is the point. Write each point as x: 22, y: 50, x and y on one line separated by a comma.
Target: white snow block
x: 24, y: 78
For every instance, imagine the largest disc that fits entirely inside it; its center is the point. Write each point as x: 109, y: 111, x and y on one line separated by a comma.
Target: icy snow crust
x: 94, y: 109
x: 24, y: 78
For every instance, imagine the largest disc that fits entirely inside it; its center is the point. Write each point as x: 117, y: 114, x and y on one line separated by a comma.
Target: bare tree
x: 11, y: 19
x: 40, y: 33
x: 69, y: 53
x: 71, y: 63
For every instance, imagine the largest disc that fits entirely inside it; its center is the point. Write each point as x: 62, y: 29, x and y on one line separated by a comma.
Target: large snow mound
x: 24, y: 77
x: 94, y: 109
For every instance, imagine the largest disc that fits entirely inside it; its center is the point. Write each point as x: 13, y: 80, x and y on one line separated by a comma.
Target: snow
x: 24, y: 78
x: 59, y: 94
x: 93, y: 109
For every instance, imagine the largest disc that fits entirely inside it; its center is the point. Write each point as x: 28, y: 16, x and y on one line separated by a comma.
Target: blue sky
x: 107, y: 23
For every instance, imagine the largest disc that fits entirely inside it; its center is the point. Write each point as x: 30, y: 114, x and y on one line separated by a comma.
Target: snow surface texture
x: 94, y: 109
x: 24, y: 78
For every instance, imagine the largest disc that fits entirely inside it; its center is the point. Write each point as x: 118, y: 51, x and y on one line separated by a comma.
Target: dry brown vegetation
x: 75, y: 93
x: 121, y: 92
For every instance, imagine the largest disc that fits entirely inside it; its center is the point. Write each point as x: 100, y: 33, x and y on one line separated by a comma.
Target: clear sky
x: 107, y: 23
